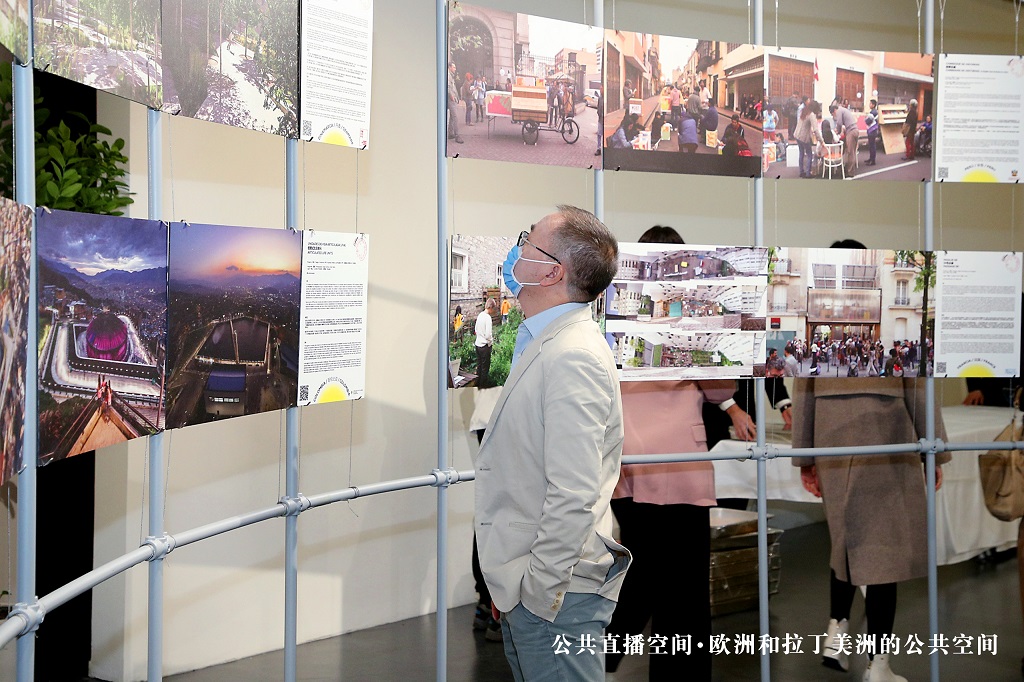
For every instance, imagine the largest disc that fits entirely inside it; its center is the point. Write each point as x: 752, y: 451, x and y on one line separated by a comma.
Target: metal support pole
x: 441, y: 64
x: 25, y: 191
x: 759, y: 399
x: 291, y: 522
x: 155, y: 616
x: 929, y: 387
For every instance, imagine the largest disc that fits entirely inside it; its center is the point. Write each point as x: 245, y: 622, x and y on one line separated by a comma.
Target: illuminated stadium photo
x: 234, y: 322
x: 103, y: 330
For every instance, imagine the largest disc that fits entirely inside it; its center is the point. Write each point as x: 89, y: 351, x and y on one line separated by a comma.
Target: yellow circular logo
x: 979, y: 175
x: 332, y: 392
x: 976, y: 370
x: 339, y: 137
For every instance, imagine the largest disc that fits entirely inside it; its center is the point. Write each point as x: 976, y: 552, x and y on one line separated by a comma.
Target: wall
x: 372, y: 561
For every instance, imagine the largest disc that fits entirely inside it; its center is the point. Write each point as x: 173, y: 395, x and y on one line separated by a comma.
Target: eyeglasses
x: 524, y: 238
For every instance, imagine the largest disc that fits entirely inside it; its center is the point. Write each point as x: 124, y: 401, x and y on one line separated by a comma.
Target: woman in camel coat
x: 875, y: 505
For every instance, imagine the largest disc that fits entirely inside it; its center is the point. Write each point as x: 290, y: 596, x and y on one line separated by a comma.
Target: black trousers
x: 483, y: 366
x: 673, y: 593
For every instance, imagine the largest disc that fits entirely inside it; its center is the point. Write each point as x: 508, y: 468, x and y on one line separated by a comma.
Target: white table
x: 965, y: 528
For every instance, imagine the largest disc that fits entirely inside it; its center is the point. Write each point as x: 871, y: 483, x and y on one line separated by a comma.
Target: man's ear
x: 554, y: 276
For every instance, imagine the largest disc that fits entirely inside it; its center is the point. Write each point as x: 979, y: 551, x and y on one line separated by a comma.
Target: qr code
x: 940, y: 368
x: 303, y: 393
x: 943, y: 172
x: 307, y: 128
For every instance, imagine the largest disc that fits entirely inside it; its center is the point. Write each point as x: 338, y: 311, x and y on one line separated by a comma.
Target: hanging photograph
x: 977, y: 314
x: 233, y: 319
x: 522, y: 88
x: 332, y: 341
x: 337, y: 50
x: 682, y: 105
x: 848, y: 114
x: 14, y: 27
x: 671, y: 355
x: 234, y: 63
x: 687, y: 311
x: 109, y: 46
x: 483, y: 314
x: 852, y: 312
x: 15, y: 231
x: 979, y: 139
x: 102, y: 330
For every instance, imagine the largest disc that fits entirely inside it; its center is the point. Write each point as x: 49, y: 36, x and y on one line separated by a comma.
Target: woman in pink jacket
x: 662, y: 510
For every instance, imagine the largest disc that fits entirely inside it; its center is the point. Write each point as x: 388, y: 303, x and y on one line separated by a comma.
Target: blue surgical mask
x: 508, y: 270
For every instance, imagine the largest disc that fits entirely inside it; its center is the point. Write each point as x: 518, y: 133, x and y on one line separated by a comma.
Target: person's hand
x: 742, y: 424
x: 975, y: 398
x: 938, y: 477
x: 787, y: 417
x: 495, y: 613
x: 809, y: 478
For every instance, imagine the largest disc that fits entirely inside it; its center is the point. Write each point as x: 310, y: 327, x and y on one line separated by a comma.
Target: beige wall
x: 373, y: 560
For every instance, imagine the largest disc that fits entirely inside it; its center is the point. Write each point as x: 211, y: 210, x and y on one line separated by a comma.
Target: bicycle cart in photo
x: 530, y: 107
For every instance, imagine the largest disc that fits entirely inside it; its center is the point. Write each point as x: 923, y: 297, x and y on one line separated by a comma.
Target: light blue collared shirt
x: 532, y: 327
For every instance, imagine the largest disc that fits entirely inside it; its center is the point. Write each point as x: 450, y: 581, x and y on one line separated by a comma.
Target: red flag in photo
x: 815, y: 69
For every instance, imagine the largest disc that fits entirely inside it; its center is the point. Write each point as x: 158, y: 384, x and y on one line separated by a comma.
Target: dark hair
x: 661, y: 234
x: 776, y: 363
x: 847, y: 244
x: 588, y: 250
x: 458, y: 310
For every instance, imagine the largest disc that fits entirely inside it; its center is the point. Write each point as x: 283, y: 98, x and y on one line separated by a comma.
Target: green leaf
x: 55, y: 154
x: 51, y: 189
x: 71, y: 190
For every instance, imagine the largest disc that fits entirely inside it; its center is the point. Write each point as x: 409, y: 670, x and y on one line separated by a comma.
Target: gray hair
x: 588, y: 251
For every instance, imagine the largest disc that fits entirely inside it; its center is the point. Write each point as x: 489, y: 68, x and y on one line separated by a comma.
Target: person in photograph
x: 873, y: 110
x: 627, y: 93
x: 669, y: 589
x: 457, y: 320
x: 874, y: 504
x: 709, y: 122
x: 769, y: 121
x: 909, y: 130
x: 705, y: 94
x: 506, y: 306
x: 550, y: 456
x: 484, y: 329
x: 923, y: 137
x: 693, y: 107
x: 846, y: 127
x: 675, y: 99
x: 792, y: 364
x: 468, y: 96
x: 480, y: 88
x: 792, y: 112
x: 627, y: 131
x: 804, y: 133
x: 600, y: 120
x: 686, y: 137
x: 453, y: 101
x: 874, y: 132
x: 775, y: 368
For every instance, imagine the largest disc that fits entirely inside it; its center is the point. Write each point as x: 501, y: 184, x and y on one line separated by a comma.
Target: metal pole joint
x: 932, y: 446
x: 32, y: 614
x: 162, y: 545
x: 765, y: 452
x: 295, y: 505
x: 445, y: 477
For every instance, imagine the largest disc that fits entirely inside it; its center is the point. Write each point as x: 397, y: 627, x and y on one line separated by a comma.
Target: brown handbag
x: 1002, y: 474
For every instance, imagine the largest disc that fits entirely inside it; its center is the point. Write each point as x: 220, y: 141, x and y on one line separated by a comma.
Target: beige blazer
x: 546, y: 470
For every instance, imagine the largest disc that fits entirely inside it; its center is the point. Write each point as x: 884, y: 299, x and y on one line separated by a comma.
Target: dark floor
x: 974, y: 598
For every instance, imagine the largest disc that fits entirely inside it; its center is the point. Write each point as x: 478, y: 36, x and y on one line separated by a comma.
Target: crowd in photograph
x: 854, y: 356
x: 691, y: 114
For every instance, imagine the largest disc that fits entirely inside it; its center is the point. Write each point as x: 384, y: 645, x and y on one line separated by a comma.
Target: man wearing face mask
x: 550, y: 456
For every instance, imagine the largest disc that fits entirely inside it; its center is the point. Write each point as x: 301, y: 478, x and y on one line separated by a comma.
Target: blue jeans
x: 570, y: 649
x: 806, y: 154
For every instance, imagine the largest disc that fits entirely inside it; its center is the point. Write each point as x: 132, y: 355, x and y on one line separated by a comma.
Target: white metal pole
x: 155, y: 616
x: 441, y: 63
x: 25, y: 191
x: 291, y: 523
